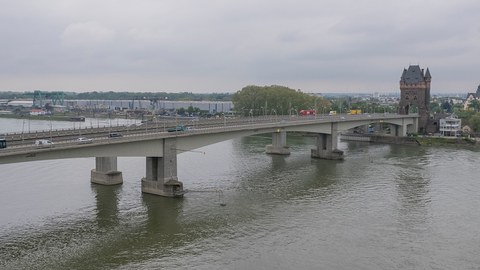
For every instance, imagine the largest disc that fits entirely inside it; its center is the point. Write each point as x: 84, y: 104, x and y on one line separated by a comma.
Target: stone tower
x: 415, y: 93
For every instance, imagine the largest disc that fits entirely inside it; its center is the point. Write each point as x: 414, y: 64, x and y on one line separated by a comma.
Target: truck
x: 355, y: 112
x: 308, y: 112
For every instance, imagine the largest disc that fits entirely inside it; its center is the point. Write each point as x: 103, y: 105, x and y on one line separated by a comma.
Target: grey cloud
x: 206, y: 45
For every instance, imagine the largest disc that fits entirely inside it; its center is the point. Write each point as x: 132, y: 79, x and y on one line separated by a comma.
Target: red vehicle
x: 308, y: 112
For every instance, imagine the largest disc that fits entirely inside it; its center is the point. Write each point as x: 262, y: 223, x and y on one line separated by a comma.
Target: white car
x: 43, y: 143
x: 84, y: 140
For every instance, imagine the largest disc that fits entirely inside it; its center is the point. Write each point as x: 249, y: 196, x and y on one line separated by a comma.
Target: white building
x: 37, y: 112
x: 450, y: 126
x: 21, y: 103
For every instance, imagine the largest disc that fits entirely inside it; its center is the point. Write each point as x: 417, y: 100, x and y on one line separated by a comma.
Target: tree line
x: 110, y: 95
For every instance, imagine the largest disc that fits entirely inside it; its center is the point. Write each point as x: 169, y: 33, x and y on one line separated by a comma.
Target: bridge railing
x: 157, y: 129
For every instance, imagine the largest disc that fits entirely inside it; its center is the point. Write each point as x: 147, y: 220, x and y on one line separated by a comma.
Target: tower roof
x: 427, y: 74
x: 414, y: 75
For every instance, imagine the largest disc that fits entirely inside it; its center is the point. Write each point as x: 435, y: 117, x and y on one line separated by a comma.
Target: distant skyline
x: 318, y: 46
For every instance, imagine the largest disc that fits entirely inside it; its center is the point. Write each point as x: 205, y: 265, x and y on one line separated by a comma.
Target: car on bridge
x: 84, y: 140
x: 115, y: 135
x: 177, y: 128
x: 43, y: 143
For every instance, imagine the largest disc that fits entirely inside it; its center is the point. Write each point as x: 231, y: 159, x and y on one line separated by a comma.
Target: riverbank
x: 412, y: 140
x: 66, y: 117
x: 445, y: 141
x: 379, y: 139
x: 74, y: 118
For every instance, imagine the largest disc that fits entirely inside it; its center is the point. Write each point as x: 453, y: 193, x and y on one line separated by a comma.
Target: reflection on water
x: 383, y: 207
x: 106, y: 198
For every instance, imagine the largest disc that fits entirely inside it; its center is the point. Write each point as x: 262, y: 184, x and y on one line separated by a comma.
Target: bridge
x: 160, y: 147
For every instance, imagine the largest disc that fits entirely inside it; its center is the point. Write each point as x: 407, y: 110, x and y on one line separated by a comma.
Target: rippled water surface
x: 383, y: 207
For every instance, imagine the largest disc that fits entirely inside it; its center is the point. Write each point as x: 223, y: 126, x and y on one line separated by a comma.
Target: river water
x: 383, y: 207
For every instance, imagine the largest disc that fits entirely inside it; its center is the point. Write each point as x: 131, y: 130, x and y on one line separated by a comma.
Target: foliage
x: 435, y: 107
x: 474, y: 122
x: 464, y: 114
x: 447, y: 106
x: 280, y: 100
x: 475, y: 105
x: 366, y: 106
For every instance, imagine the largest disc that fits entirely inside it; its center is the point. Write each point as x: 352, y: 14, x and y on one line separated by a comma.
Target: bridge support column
x: 105, y: 172
x: 393, y: 129
x: 327, y: 146
x: 279, y: 143
x: 161, y: 173
x: 400, y: 130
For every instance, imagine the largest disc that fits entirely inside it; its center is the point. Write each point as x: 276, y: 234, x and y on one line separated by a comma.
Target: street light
x: 273, y: 110
x: 315, y: 106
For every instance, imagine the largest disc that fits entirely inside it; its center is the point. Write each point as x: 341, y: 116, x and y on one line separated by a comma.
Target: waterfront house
x: 451, y: 126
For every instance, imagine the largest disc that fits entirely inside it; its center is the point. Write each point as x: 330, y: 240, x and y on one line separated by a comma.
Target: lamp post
x: 23, y: 127
x: 315, y: 107
x: 262, y: 109
x: 275, y: 112
x: 50, y: 129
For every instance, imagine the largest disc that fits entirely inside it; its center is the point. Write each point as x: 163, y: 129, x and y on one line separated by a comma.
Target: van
x: 43, y: 143
x: 332, y: 113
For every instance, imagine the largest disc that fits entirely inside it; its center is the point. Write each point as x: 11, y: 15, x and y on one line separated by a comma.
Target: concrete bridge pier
x: 279, y: 143
x: 393, y: 129
x: 161, y: 173
x: 400, y: 131
x: 105, y: 172
x: 327, y: 145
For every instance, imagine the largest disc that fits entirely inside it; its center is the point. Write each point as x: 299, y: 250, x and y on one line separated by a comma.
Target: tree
x: 474, y: 122
x: 193, y: 110
x: 475, y: 105
x: 435, y: 107
x: 181, y: 111
x: 447, y: 106
x: 266, y: 100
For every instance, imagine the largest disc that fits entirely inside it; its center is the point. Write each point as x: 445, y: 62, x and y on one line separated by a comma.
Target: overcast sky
x: 221, y: 46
